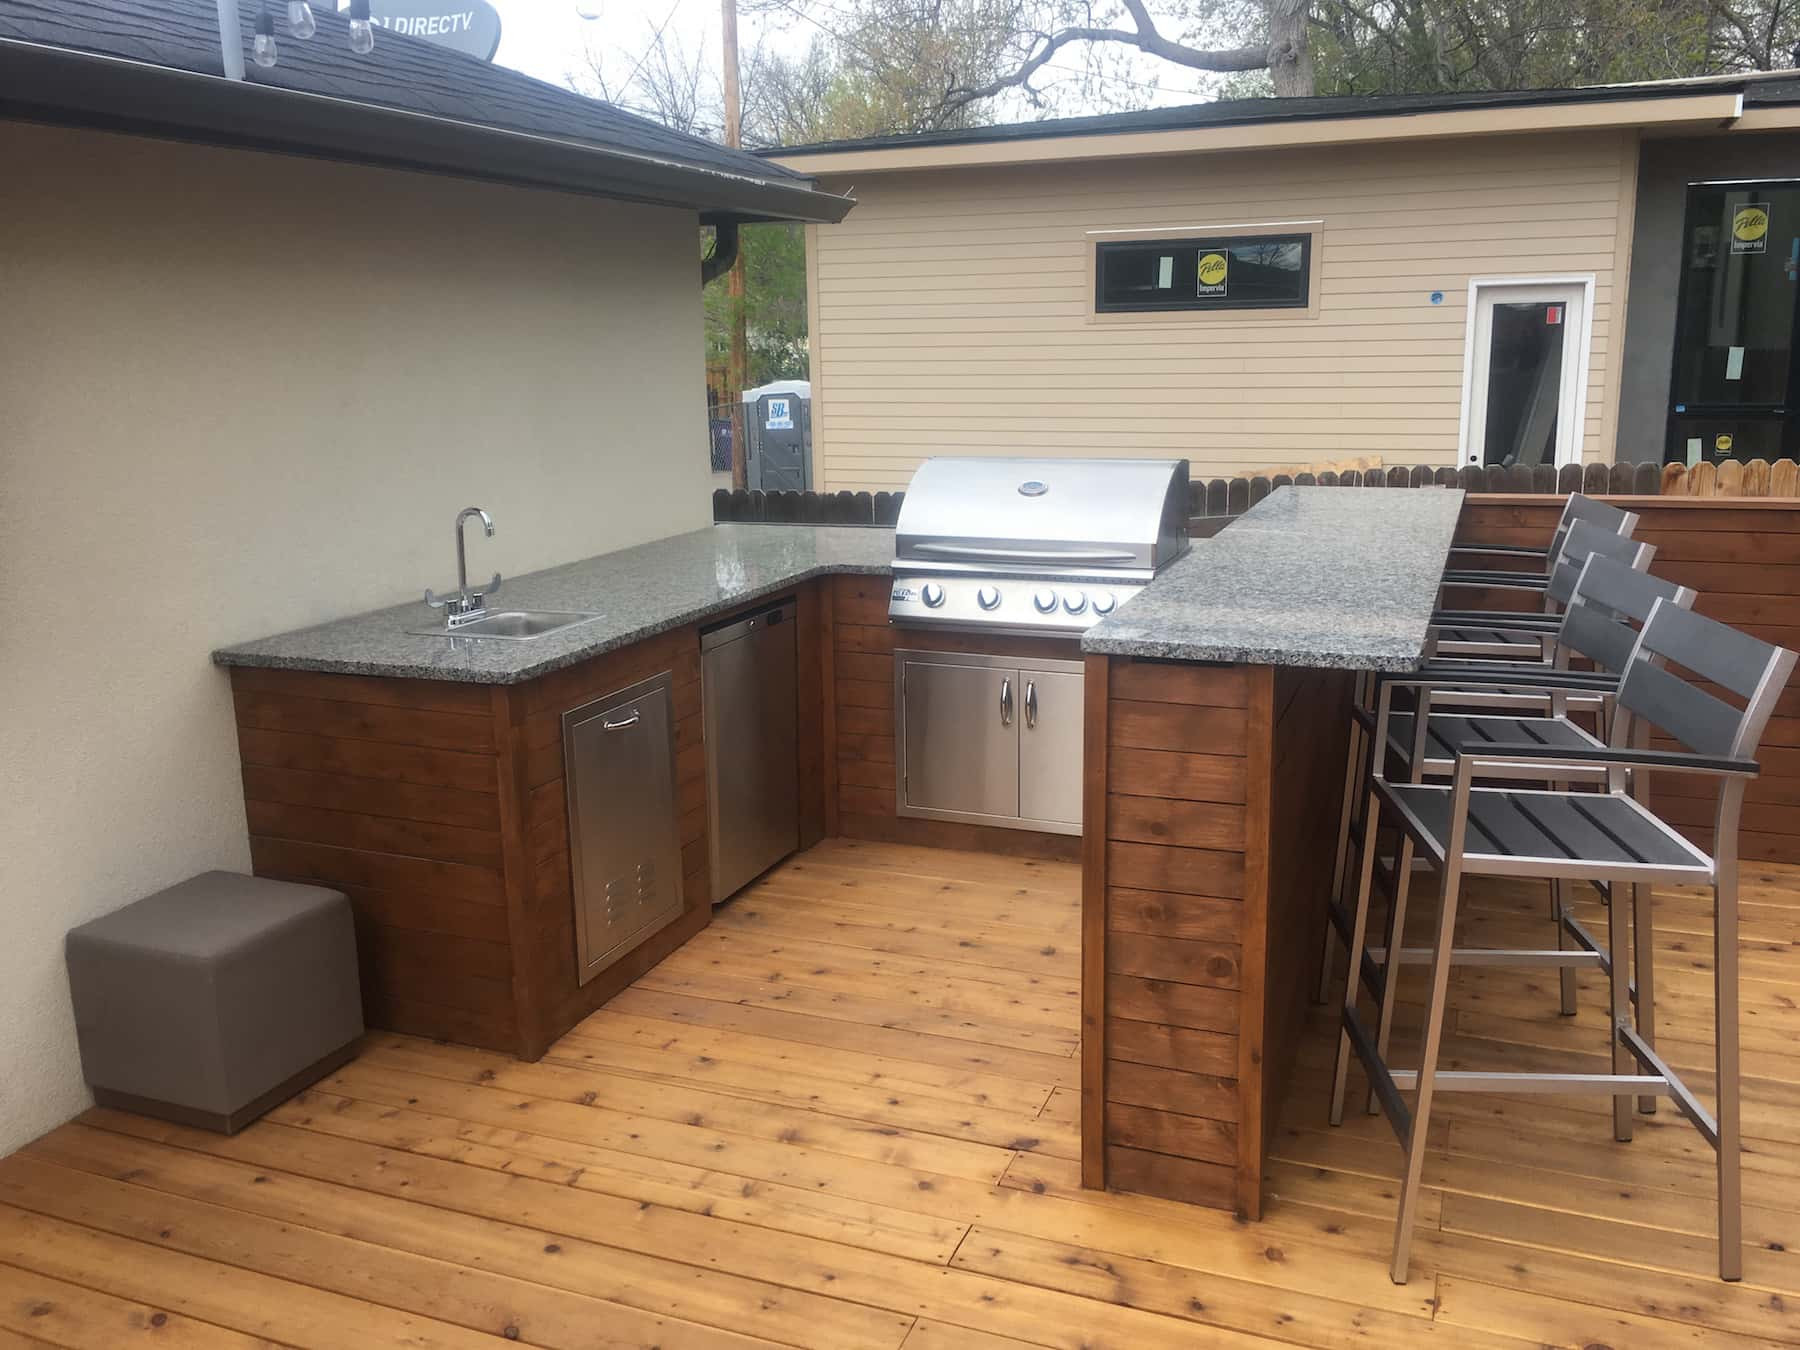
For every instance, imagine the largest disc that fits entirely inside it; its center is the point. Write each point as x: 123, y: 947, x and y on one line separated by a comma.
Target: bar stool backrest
x: 1604, y: 515
x: 1583, y: 541
x: 1676, y: 640
x: 1611, y: 602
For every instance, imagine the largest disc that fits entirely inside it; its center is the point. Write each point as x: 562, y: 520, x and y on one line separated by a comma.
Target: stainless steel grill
x: 1046, y: 546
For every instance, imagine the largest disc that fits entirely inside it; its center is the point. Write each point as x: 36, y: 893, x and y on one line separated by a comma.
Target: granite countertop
x: 1331, y: 577
x: 1334, y: 577
x: 640, y: 592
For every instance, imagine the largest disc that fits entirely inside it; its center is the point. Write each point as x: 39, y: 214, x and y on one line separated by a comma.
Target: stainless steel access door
x: 748, y: 671
x: 624, y: 837
x: 1051, y: 711
x: 958, y: 735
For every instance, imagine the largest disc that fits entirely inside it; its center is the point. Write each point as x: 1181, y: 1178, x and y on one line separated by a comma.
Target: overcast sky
x: 552, y: 40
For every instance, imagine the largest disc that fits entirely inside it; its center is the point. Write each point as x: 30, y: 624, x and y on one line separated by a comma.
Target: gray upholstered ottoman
x: 214, y: 1000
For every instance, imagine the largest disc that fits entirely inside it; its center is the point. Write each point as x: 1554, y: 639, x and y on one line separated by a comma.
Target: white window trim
x: 1571, y: 454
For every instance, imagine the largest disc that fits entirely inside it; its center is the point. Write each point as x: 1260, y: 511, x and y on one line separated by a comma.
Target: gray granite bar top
x: 640, y: 592
x: 1343, y: 578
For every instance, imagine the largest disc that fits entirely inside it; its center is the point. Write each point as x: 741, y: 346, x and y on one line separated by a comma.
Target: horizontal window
x: 1253, y: 272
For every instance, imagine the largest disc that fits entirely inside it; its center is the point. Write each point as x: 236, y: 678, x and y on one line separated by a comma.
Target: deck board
x: 846, y: 1117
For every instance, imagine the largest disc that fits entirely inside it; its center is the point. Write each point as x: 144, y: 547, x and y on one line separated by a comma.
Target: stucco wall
x: 1664, y: 171
x: 241, y: 393
x: 953, y: 309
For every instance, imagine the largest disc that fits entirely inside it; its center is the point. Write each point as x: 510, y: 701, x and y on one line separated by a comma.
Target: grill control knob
x: 988, y: 597
x: 1075, y: 601
x: 1104, y: 603
x: 1045, y: 601
x: 933, y: 595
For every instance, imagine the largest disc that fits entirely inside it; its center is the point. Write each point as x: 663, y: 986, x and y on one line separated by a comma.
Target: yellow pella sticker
x: 1749, y: 229
x: 1213, y: 270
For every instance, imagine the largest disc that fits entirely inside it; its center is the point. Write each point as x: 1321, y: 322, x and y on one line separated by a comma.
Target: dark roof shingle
x: 1758, y: 90
x: 403, y: 72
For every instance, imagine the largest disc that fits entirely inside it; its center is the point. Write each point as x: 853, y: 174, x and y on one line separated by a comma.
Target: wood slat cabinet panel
x: 440, y: 809
x: 1174, y: 801
x: 1217, y: 799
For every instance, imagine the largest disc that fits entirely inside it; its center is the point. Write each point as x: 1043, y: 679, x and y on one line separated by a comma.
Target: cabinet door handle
x: 1006, y: 703
x: 607, y: 724
x: 1030, y: 703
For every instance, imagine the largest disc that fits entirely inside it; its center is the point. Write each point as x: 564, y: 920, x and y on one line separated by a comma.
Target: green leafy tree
x: 774, y: 305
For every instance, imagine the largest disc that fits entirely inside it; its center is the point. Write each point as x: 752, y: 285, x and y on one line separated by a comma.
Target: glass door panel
x: 1524, y: 374
x: 1733, y: 379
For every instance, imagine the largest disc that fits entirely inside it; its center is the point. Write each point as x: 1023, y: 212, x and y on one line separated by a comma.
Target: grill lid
x: 1093, y: 516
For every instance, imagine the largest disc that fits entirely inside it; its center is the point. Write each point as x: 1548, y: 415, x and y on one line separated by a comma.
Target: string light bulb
x: 262, y: 47
x: 300, y: 19
x: 362, y: 32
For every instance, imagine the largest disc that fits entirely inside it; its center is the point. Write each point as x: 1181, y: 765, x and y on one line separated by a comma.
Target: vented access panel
x: 624, y: 836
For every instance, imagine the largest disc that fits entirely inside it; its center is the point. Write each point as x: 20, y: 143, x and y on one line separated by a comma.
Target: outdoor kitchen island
x: 425, y: 777
x: 1216, y: 726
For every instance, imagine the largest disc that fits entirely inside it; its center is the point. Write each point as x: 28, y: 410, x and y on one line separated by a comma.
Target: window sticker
x: 1165, y: 272
x: 1750, y: 229
x: 1213, y: 270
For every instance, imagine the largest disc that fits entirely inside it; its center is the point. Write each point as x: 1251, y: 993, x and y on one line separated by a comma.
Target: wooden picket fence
x: 1221, y: 497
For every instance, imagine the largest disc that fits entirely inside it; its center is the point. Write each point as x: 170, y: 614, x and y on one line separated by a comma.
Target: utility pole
x: 736, y: 372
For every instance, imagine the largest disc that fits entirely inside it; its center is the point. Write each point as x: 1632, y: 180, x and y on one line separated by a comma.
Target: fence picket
x: 1233, y: 496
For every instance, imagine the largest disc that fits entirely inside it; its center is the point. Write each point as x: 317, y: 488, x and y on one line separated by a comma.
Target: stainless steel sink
x: 512, y: 625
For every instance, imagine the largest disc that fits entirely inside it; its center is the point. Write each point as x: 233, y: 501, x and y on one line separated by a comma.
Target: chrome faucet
x: 466, y: 606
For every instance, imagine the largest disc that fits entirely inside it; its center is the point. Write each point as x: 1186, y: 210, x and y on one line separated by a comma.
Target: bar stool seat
x: 1570, y: 835
x: 1446, y: 733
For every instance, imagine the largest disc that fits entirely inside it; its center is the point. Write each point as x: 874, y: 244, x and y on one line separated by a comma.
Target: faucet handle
x: 490, y: 588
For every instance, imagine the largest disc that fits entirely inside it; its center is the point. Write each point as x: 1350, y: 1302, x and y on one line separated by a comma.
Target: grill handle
x: 1061, y: 555
x: 1030, y: 704
x: 1006, y: 702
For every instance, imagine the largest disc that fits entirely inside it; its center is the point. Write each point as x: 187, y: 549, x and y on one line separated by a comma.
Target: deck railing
x: 1213, y: 497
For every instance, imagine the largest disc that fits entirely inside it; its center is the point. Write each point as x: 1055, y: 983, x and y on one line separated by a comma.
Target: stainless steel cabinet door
x: 959, y: 734
x: 624, y: 838
x: 748, y: 673
x: 1050, y: 714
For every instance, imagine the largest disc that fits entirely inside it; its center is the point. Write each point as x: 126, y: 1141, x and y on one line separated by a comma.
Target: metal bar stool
x: 1606, y: 835
x: 1582, y: 541
x: 1463, y: 632
x: 1610, y: 605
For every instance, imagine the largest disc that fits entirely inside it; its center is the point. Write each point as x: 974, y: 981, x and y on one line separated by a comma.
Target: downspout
x: 724, y: 251
x: 231, y: 40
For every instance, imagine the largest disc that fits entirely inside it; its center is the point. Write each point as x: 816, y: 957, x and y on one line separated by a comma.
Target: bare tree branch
x: 1144, y: 35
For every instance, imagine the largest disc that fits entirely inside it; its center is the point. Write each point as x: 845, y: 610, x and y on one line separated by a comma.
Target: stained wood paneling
x: 1168, y: 893
x: 440, y: 810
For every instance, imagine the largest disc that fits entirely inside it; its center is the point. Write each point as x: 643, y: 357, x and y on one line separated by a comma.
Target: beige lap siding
x: 952, y: 310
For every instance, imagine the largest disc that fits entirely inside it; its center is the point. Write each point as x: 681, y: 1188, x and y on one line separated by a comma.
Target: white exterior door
x: 1525, y: 371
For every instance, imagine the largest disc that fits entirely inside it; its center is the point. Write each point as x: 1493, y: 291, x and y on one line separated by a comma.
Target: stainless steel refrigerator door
x: 748, y: 680
x: 1051, y: 712
x: 624, y: 837
x: 959, y: 737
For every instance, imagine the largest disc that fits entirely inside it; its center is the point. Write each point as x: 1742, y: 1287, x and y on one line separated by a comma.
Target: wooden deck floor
x: 844, y: 1117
